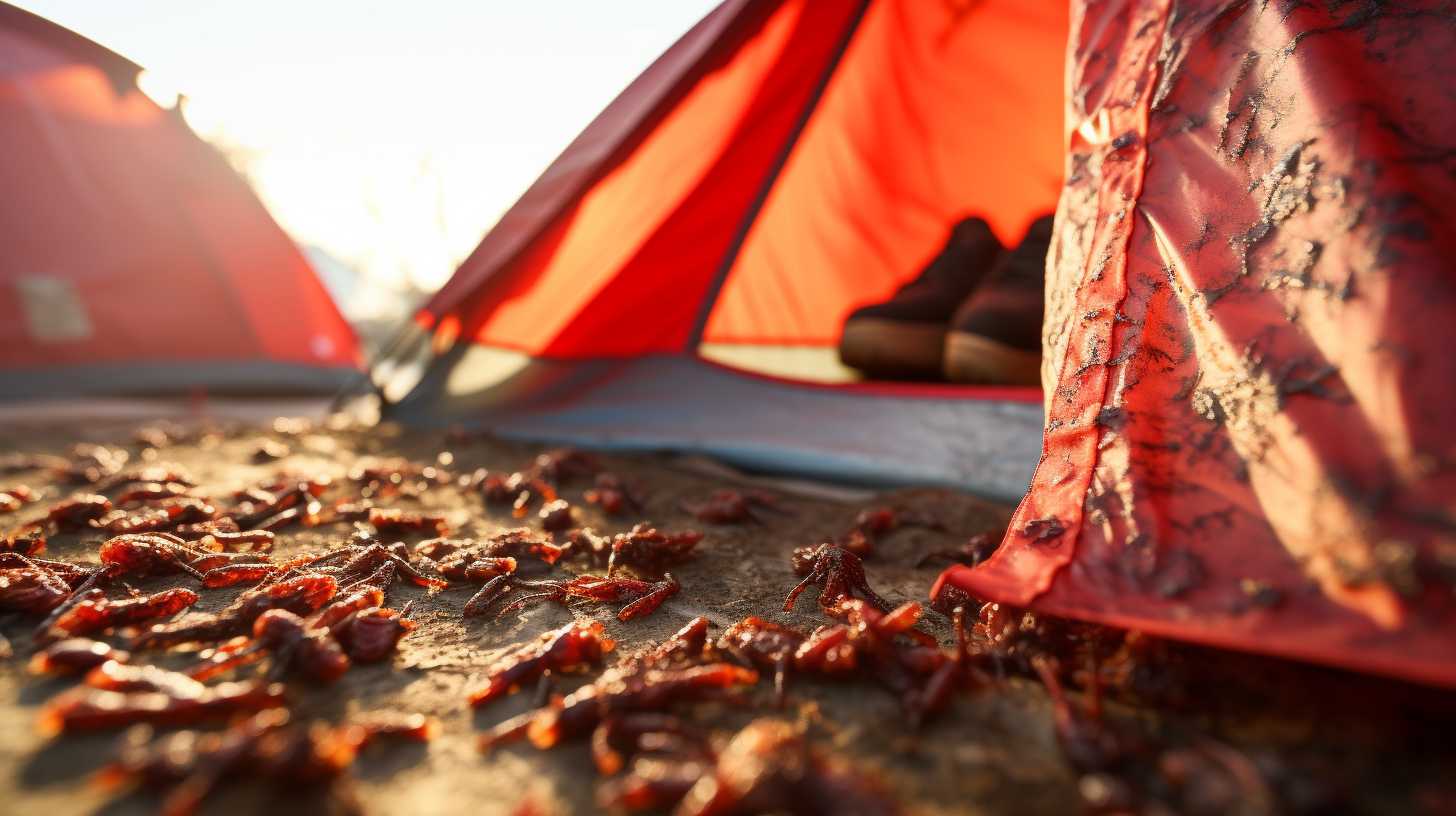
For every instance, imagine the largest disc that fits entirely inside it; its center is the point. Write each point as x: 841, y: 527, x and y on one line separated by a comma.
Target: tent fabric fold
x: 1248, y: 381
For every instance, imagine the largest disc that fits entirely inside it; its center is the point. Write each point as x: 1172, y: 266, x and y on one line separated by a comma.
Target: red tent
x: 135, y: 259
x: 1248, y: 296
x: 782, y: 164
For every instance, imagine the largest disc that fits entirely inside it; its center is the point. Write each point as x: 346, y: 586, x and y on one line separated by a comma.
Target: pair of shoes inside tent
x: 903, y: 338
x: 994, y: 338
x: 972, y: 316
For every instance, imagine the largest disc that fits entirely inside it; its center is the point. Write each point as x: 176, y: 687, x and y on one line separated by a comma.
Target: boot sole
x: 973, y: 359
x: 890, y: 348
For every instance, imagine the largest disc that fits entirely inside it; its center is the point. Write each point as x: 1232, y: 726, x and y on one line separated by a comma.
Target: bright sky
x: 390, y: 134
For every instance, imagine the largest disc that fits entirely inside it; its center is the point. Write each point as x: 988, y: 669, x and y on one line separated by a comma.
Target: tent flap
x: 1249, y: 389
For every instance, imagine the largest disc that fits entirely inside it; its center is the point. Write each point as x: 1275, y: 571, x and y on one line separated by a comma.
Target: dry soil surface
x: 1317, y: 740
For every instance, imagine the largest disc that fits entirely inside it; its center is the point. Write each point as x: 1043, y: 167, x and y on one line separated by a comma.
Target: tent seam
x: 735, y: 247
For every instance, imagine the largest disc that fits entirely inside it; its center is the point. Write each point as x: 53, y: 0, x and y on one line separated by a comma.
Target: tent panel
x: 1251, y: 289
x: 127, y: 238
x: 936, y: 111
x: 607, y: 139
x: 291, y: 314
x: 624, y: 270
x: 91, y: 231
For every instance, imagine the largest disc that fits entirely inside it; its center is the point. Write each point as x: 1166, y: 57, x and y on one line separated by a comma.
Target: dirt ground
x: 1316, y: 740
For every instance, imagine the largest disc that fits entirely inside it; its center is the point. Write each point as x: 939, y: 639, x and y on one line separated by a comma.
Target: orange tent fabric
x: 135, y: 258
x: 825, y: 145
x: 1249, y: 384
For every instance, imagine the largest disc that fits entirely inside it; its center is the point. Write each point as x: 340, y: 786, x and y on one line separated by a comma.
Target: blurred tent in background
x: 136, y: 261
x: 679, y: 276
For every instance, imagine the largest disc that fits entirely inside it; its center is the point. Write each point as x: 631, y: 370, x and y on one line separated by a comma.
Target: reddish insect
x: 562, y: 465
x: 648, y: 551
x: 998, y: 623
x: 476, y: 570
x: 345, y: 604
x: 958, y: 672
x: 84, y: 584
x: 645, y: 596
x: 301, y: 595
x: 556, y: 516
x: 765, y: 645
x: 202, y: 529
x: 165, y: 554
x: 838, y: 574
x: 1085, y: 742
x: 294, y: 646
x: 453, y: 556
x: 977, y: 549
x: 29, y: 539
x: 264, y: 748
x: 876, y: 522
x: 74, y: 575
x: 883, y: 647
x: 164, y: 516
x: 238, y: 574
x: 357, y: 562
x: 572, y: 647
x: 281, y: 505
x: 390, y: 520
x: 114, y: 676
x: 732, y: 507
x: 14, y: 498
x: 78, y: 512
x: 98, y: 613
x: 167, y: 701
x: 392, y: 726
x: 613, y: 495
x: 222, y: 540
x: 372, y: 635
x: 616, y: 692
x: 768, y: 767
x: 146, y: 492
x: 75, y: 656
x: 622, y: 738
x: 490, y: 592
x: 687, y: 646
x: 150, y: 474
x: 516, y: 489
x: 31, y: 589
x: 391, y: 477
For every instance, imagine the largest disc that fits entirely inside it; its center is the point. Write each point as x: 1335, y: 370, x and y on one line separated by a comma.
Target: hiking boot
x: 995, y: 335
x: 904, y: 337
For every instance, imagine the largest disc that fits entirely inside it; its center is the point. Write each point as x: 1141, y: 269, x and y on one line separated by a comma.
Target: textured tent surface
x: 1248, y: 308
x: 135, y: 258
x: 1250, y: 312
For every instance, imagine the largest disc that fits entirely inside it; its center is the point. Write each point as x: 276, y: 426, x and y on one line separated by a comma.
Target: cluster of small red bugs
x: 309, y: 618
